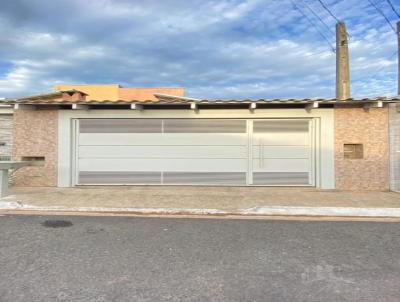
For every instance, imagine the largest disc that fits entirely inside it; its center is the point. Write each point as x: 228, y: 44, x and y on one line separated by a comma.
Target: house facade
x: 160, y: 137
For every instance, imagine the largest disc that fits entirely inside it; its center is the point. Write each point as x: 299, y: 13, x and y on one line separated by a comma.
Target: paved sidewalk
x: 207, y: 200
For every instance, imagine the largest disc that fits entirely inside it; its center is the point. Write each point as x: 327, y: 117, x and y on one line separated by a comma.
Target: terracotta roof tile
x: 163, y: 99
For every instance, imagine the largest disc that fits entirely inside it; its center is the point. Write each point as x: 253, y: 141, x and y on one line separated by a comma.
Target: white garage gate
x: 195, y: 152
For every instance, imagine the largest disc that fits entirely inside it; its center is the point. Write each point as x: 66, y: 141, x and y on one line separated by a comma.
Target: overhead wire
x: 392, y: 7
x: 383, y: 15
x: 313, y: 24
x: 338, y: 20
x: 317, y: 16
x: 383, y: 67
x: 332, y: 14
x: 318, y: 53
x: 328, y: 10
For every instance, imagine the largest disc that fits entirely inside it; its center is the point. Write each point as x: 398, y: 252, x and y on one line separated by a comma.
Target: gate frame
x: 323, y: 124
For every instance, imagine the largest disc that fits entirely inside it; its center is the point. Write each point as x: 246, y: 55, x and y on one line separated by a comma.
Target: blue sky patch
x: 215, y: 49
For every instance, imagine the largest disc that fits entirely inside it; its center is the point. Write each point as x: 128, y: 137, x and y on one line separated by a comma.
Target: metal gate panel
x: 279, y: 178
x: 204, y: 126
x: 162, y: 139
x: 120, y: 177
x: 163, y: 164
x: 181, y: 151
x: 195, y: 151
x: 163, y: 151
x: 205, y: 178
x: 281, y: 165
x: 281, y: 126
x: 282, y: 152
x: 120, y: 126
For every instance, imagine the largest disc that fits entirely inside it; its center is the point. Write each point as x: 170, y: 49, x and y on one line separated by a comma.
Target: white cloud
x: 214, y: 48
x: 18, y: 79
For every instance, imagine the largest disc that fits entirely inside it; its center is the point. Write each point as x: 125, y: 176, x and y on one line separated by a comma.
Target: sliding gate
x: 269, y: 152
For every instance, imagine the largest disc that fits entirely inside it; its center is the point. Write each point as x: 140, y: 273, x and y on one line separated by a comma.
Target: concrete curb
x: 325, y: 211
x: 255, y: 211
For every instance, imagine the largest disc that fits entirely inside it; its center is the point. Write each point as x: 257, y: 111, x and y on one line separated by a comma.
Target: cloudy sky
x: 213, y: 48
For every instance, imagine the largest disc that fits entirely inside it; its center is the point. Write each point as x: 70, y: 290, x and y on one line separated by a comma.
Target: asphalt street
x: 61, y: 258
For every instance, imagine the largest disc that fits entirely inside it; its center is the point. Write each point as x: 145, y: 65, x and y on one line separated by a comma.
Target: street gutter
x: 192, y: 216
x: 268, y: 211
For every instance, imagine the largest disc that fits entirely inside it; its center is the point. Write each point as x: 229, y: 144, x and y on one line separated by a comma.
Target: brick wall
x: 6, y: 126
x: 35, y: 134
x: 370, y: 128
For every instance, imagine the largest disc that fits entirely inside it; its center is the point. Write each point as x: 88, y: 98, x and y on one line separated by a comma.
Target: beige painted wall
x: 370, y: 128
x: 35, y: 133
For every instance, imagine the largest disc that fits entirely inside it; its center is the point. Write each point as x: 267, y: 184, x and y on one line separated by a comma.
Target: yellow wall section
x: 115, y: 92
x: 94, y: 92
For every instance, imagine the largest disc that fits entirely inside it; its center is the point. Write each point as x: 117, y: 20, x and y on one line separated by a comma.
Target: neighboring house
x: 150, y: 137
x: 6, y: 122
x: 114, y: 92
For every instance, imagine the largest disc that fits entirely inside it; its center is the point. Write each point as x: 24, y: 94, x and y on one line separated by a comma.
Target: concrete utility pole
x: 398, y: 57
x: 342, y: 63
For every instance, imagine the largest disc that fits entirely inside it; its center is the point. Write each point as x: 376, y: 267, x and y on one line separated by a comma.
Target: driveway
x: 160, y: 259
